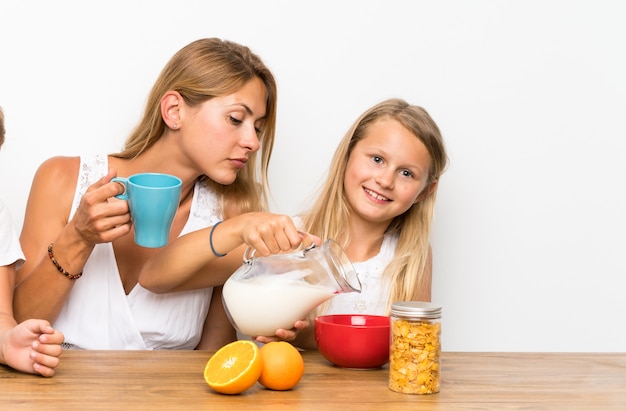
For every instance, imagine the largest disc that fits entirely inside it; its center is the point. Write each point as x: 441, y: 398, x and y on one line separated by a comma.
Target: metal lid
x: 416, y: 309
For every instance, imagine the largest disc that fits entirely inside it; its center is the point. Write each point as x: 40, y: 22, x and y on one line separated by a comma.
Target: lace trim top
x: 99, y: 315
x: 375, y: 289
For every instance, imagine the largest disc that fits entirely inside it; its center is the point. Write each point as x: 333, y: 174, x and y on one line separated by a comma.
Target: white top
x: 375, y: 289
x: 99, y: 315
x: 10, y: 250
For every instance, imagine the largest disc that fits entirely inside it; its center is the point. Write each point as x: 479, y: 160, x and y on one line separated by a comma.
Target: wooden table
x: 172, y: 380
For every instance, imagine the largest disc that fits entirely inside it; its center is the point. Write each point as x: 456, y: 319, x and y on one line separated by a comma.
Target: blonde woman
x: 210, y: 120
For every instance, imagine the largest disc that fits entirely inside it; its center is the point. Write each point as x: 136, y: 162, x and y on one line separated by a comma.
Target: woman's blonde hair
x: 330, y: 211
x: 204, y: 69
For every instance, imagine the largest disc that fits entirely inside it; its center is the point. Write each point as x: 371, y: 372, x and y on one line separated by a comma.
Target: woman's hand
x: 100, y: 217
x: 269, y: 233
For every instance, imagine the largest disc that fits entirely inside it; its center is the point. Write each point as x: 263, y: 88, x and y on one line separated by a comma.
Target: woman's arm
x: 190, y: 263
x: 41, y: 289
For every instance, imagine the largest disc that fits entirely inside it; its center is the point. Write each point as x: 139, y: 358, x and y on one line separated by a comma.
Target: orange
x: 234, y: 368
x: 283, y: 366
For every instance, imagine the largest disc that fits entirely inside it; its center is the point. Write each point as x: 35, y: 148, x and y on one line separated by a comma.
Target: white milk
x: 263, y: 304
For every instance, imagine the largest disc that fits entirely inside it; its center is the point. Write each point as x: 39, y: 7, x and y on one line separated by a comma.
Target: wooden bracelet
x: 58, y: 266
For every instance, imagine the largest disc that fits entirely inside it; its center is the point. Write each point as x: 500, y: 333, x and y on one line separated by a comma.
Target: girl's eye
x: 377, y: 159
x: 407, y: 173
x: 234, y: 120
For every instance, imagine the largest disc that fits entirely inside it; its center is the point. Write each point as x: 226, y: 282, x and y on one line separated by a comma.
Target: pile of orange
x: 237, y: 366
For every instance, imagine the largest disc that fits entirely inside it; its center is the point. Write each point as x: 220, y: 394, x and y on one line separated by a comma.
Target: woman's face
x: 386, y: 172
x: 219, y: 135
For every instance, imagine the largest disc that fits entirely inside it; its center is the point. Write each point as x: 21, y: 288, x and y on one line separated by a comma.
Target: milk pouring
x: 268, y: 293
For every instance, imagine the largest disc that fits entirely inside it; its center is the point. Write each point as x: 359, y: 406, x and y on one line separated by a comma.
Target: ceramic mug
x: 153, y: 199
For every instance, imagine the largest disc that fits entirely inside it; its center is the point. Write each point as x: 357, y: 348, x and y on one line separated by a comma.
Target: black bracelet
x: 215, y: 253
x: 58, y: 266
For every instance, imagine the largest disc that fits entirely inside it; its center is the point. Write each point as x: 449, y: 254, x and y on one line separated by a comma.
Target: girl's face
x: 386, y: 172
x: 219, y: 135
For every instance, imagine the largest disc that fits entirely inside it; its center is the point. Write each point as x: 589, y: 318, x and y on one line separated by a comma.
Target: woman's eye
x: 235, y: 120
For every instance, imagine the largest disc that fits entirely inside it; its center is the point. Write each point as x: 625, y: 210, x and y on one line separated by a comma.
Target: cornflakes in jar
x: 414, y: 363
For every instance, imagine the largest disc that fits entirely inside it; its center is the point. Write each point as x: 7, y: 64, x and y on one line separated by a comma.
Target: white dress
x: 375, y: 289
x: 10, y: 250
x: 99, y: 315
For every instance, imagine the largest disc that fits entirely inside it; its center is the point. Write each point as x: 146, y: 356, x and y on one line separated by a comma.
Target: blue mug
x: 153, y: 199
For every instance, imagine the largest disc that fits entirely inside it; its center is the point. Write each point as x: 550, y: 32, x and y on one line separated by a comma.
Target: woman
x: 209, y: 120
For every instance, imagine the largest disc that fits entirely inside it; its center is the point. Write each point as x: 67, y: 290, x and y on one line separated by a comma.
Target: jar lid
x: 416, y: 309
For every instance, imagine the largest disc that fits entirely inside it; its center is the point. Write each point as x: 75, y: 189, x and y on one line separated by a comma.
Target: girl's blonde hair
x: 204, y: 69
x: 330, y: 211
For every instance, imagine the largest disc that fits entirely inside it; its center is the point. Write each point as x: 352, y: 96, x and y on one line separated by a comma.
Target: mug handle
x: 122, y: 181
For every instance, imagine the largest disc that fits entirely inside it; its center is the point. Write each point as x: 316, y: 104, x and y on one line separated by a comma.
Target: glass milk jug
x: 268, y: 293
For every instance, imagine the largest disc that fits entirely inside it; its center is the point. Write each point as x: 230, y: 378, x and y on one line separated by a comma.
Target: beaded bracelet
x: 215, y: 253
x: 58, y: 266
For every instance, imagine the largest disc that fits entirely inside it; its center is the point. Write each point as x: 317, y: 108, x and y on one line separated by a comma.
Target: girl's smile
x: 386, y: 172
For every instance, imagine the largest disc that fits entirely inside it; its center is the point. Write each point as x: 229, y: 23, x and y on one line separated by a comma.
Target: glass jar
x: 414, y: 356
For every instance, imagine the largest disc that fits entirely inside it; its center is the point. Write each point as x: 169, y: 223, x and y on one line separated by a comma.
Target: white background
x: 529, y: 235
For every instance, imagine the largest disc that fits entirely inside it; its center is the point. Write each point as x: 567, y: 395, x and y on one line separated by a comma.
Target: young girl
x: 378, y: 203
x: 32, y: 346
x: 210, y: 120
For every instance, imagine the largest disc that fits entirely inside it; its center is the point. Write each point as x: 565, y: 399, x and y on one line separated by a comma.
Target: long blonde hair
x: 204, y: 69
x: 330, y: 211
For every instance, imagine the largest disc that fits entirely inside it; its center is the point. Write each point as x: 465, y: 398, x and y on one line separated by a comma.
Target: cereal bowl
x: 354, y: 340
